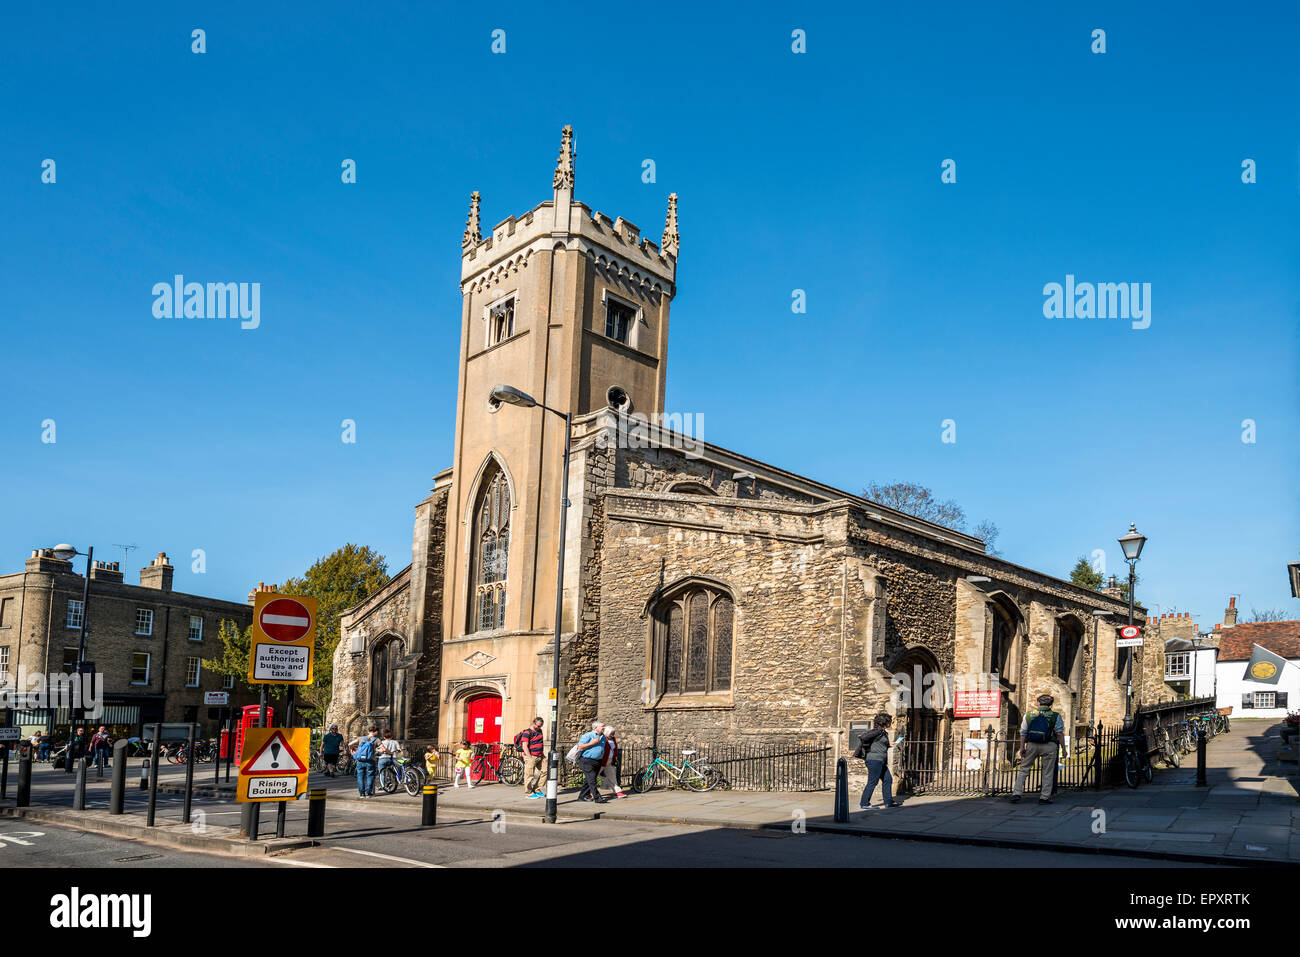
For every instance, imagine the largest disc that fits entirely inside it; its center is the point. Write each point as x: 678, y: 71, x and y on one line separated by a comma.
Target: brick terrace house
x: 719, y: 598
x: 146, y: 640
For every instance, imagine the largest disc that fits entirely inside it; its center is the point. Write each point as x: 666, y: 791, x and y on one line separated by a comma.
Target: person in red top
x: 531, y: 742
x: 609, y: 765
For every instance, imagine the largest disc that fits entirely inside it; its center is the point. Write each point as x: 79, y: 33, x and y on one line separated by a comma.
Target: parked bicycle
x: 482, y: 765
x: 510, y: 769
x: 1166, y: 747
x: 696, y: 776
x: 1133, y: 752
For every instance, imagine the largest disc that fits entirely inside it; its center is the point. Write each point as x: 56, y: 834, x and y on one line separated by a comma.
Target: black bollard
x: 117, y: 789
x: 280, y: 807
x: 841, y: 791
x: 4, y: 772
x: 429, y: 809
x: 153, y: 774
x: 189, y: 772
x: 24, y: 796
x: 79, y: 785
x: 316, y: 812
x: 144, y: 775
x: 1200, y: 760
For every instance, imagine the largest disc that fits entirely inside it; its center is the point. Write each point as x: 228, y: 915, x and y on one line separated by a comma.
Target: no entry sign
x: 1130, y: 631
x: 284, y: 636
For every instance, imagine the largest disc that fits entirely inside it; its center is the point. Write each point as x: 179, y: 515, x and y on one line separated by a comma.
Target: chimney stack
x: 106, y: 572
x: 261, y: 586
x: 1230, y: 613
x: 157, y: 574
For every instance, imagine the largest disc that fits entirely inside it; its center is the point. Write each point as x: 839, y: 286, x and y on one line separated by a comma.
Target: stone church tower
x: 571, y: 308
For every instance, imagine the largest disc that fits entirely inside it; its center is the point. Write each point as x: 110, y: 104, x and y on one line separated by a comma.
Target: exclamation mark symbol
x: 275, y: 755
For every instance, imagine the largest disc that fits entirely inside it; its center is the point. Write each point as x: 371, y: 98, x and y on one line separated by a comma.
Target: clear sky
x: 818, y: 171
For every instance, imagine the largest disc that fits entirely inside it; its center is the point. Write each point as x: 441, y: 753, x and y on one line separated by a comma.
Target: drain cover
x: 138, y: 857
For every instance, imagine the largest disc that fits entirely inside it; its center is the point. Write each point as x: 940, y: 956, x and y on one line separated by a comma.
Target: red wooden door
x: 483, y: 719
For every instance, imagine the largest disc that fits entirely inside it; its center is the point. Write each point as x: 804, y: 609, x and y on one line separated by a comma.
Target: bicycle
x: 1165, y: 745
x: 402, y: 772
x: 510, y: 769
x: 481, y: 765
x: 1133, y: 752
x: 695, y: 777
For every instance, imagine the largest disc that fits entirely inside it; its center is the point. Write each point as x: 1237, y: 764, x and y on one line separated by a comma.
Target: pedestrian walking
x: 464, y: 755
x: 40, y: 746
x: 1042, y: 735
x: 873, y: 748
x: 609, y: 764
x: 100, y: 742
x: 387, y: 748
x: 77, y: 747
x: 531, y: 743
x: 591, y: 752
x: 330, y: 745
x: 363, y: 753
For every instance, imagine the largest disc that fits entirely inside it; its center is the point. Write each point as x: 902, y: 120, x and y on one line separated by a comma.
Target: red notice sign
x: 977, y: 704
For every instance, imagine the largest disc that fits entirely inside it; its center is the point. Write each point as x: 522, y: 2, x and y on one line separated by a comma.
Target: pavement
x: 1248, y: 814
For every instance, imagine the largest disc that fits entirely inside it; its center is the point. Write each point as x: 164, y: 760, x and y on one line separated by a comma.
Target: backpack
x: 366, y: 750
x: 519, y: 739
x: 1042, y: 727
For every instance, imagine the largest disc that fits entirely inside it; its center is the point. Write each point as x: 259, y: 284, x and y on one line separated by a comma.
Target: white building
x: 1256, y: 699
x: 1189, y: 667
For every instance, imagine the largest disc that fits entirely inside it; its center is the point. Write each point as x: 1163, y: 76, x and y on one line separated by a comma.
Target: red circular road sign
x: 284, y: 619
x: 1130, y: 631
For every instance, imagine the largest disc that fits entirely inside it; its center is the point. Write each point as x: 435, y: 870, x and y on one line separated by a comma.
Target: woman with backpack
x: 873, y: 748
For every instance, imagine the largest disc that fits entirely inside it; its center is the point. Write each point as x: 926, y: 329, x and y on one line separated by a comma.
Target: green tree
x: 338, y: 581
x: 1085, y: 576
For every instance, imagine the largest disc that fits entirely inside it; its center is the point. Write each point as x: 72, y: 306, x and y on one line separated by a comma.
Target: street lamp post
x: 1132, y: 544
x: 67, y: 553
x: 507, y: 395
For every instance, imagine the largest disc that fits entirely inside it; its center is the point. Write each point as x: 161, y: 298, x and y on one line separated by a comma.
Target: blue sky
x: 816, y: 171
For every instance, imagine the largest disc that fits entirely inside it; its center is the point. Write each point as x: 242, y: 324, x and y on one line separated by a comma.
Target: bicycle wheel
x: 387, y: 780
x: 1148, y: 771
x: 478, y: 770
x: 413, y: 781
x: 701, y: 777
x: 647, y: 779
x: 1130, y: 769
x: 511, y: 772
x: 1171, y: 757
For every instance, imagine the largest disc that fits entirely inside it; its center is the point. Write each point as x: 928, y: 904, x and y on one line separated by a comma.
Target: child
x: 431, y: 760
x: 463, y: 756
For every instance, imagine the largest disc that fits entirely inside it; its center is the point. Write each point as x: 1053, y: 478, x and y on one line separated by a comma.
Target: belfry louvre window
x: 693, y: 642
x: 619, y: 318
x: 501, y: 321
x: 491, y: 552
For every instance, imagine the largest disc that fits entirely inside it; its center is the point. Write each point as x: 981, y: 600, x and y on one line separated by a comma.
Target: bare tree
x: 1267, y: 614
x: 917, y: 500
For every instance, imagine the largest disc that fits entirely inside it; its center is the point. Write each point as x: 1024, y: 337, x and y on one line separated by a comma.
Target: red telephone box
x: 248, y: 718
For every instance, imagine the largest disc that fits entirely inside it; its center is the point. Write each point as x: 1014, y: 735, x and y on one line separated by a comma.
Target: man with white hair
x: 591, y: 752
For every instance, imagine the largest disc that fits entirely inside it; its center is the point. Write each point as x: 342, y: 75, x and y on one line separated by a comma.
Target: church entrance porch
x: 483, y: 719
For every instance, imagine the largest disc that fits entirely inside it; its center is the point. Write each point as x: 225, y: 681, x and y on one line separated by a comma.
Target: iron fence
x: 988, y: 763
x: 774, y: 767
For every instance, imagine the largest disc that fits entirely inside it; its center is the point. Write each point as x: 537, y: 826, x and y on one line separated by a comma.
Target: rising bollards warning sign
x: 276, y: 766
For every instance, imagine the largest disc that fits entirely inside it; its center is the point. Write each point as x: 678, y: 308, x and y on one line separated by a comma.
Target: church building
x: 707, y: 596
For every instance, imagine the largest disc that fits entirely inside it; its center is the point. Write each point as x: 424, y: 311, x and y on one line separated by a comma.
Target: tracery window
x: 694, y: 631
x: 491, y: 552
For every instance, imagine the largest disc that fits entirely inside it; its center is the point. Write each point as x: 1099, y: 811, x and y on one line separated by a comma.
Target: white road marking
x: 12, y: 837
x: 285, y: 860
x: 387, y: 857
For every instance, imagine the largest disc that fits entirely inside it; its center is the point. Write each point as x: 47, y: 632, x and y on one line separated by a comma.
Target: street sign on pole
x: 275, y: 766
x: 1128, y: 642
x: 10, y: 734
x: 1130, y: 631
x: 284, y: 639
x: 217, y: 698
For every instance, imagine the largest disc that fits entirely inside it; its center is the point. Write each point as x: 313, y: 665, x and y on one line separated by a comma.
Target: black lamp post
x: 507, y: 395
x: 1132, y: 544
x: 67, y: 553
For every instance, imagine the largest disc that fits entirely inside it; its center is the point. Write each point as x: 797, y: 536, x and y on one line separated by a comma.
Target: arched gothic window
x: 491, y: 552
x: 693, y: 641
